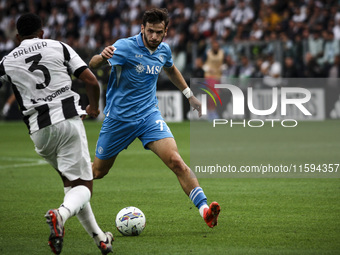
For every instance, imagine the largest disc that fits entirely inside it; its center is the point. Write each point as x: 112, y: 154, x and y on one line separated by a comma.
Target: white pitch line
x: 19, y: 159
x: 33, y: 162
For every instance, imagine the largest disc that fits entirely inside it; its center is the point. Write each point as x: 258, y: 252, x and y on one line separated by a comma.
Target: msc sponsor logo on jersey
x: 153, y: 69
x: 140, y: 68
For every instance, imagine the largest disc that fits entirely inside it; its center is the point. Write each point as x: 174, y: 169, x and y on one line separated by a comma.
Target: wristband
x: 187, y: 92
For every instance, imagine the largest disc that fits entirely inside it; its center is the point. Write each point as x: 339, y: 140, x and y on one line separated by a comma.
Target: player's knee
x: 99, y: 173
x: 80, y: 182
x: 177, y: 164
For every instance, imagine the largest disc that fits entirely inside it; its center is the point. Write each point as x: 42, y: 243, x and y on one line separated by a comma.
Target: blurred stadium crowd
x: 214, y: 39
x: 248, y: 38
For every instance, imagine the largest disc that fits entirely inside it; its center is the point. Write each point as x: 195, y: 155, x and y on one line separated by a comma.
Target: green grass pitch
x: 258, y: 216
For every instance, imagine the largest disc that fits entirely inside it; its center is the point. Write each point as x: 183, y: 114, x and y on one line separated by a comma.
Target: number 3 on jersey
x: 35, y: 66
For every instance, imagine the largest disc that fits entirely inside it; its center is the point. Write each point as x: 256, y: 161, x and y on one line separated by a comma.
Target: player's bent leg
x: 88, y: 221
x: 77, y: 194
x: 166, y: 150
x: 76, y: 202
x: 101, y: 167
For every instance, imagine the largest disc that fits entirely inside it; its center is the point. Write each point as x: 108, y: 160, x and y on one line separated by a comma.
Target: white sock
x: 201, y: 210
x: 88, y: 221
x: 75, y: 199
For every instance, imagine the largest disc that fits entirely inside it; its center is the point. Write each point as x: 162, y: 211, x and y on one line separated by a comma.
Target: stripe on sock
x: 201, y: 191
x: 198, y: 197
x: 193, y: 192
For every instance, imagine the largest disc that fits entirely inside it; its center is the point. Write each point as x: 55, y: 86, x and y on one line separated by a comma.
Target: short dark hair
x: 29, y: 24
x: 156, y: 15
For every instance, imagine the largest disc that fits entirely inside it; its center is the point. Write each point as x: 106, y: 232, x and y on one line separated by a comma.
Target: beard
x: 151, y: 45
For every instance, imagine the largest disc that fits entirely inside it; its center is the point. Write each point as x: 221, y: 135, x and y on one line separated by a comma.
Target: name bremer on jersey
x: 27, y: 50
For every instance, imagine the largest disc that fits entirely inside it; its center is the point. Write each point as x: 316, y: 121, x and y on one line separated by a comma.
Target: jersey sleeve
x: 74, y: 61
x: 169, y: 62
x: 120, y: 55
x: 3, y: 76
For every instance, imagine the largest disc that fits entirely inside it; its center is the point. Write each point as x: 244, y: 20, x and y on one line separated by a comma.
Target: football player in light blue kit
x: 131, y: 105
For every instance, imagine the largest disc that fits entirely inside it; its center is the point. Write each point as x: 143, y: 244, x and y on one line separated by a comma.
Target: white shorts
x: 64, y: 146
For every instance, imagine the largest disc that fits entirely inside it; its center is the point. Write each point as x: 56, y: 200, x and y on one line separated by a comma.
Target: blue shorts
x: 117, y: 135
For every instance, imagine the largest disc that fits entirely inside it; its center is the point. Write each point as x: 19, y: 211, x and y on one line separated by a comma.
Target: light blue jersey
x: 131, y: 92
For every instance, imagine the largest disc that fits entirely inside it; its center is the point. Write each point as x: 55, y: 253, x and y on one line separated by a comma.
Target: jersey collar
x: 28, y: 41
x: 140, y: 40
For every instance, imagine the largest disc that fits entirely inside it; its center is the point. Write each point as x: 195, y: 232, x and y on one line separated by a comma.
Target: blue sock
x: 198, y: 197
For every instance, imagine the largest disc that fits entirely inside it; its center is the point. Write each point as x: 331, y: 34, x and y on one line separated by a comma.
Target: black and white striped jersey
x: 38, y: 70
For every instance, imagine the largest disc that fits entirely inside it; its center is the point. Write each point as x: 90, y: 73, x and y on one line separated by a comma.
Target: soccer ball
x: 130, y: 221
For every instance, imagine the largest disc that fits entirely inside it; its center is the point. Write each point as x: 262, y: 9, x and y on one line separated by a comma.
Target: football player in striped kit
x: 38, y: 71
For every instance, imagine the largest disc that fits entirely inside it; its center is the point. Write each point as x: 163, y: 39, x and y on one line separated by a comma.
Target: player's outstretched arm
x: 196, y: 105
x: 101, y: 59
x: 92, y: 91
x: 177, y: 79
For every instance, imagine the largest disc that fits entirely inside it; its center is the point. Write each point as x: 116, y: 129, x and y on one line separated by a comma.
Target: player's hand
x: 196, y: 105
x: 92, y: 112
x: 108, y: 52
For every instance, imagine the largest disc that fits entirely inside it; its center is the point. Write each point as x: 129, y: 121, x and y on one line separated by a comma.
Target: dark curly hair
x: 156, y: 15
